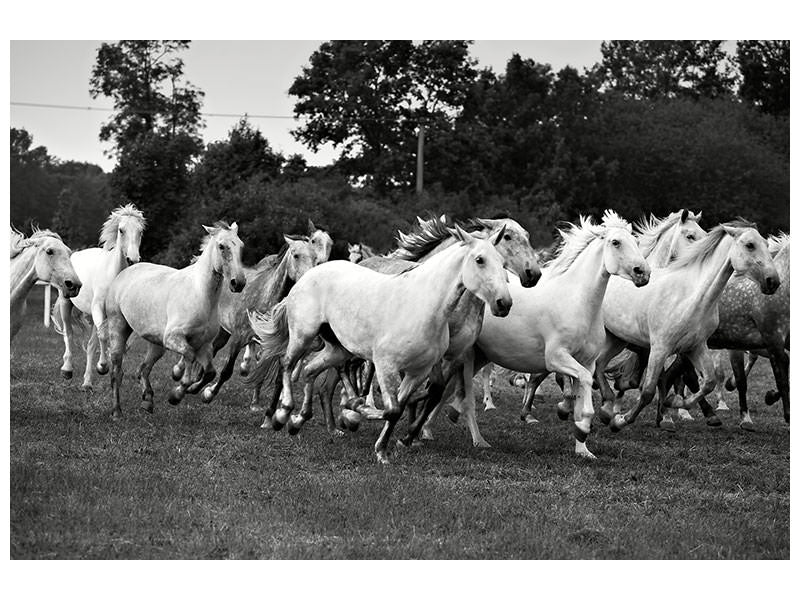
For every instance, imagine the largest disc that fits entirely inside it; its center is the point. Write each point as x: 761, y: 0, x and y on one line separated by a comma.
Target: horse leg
x: 580, y: 380
x: 465, y: 396
x: 611, y: 348
x: 154, y: 352
x: 488, y: 376
x: 779, y: 360
x: 98, y: 316
x: 369, y: 375
x: 326, y: 392
x: 395, y: 405
x: 176, y: 341
x: 737, y: 366
x: 330, y: 356
x: 701, y: 361
x: 65, y: 310
x: 118, y: 333
x: 655, y: 366
x: 295, y: 350
x: 210, y: 392
x: 207, y: 372
x: 247, y: 359
x: 533, y: 383
x: 91, y: 348
x: 437, y: 381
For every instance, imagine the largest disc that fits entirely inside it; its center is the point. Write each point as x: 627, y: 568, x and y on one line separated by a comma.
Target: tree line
x: 655, y: 126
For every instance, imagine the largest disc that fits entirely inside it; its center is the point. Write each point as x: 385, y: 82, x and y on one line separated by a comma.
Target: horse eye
x: 690, y: 237
x: 507, y: 237
x: 222, y: 247
x: 49, y: 251
x: 750, y: 246
x: 615, y: 243
x: 297, y: 256
x: 479, y: 260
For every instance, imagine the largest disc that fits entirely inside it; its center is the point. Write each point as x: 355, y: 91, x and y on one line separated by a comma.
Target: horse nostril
x: 69, y: 285
x: 130, y: 262
x: 638, y: 270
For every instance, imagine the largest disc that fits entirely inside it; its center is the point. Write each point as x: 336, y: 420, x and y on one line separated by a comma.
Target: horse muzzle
x: 131, y: 260
x: 640, y: 276
x: 531, y: 277
x: 237, y: 285
x: 770, y: 284
x: 501, y: 307
x: 71, y: 288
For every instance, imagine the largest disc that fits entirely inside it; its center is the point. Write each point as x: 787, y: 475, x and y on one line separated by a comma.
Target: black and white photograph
x: 404, y: 300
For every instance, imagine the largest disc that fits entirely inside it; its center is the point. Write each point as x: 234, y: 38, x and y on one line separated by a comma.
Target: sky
x: 238, y: 77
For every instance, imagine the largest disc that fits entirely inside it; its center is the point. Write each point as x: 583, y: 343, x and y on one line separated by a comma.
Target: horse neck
x: 117, y: 257
x: 711, y: 277
x: 440, y: 247
x: 590, y: 272
x: 206, y: 280
x: 278, y: 283
x: 23, y: 273
x: 440, y: 279
x: 659, y: 254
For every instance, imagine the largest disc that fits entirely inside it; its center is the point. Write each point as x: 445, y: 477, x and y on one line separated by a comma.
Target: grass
x: 204, y: 481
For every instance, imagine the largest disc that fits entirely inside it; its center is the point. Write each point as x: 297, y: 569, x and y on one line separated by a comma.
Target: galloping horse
x: 557, y: 326
x: 41, y: 257
x: 749, y: 320
x: 399, y: 322
x: 678, y: 312
x: 266, y: 288
x: 174, y: 310
x: 120, y: 238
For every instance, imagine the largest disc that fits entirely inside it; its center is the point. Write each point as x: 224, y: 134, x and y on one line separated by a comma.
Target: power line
x: 104, y: 109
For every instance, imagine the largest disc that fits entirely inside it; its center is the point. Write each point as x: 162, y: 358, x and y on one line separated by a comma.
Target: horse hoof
x: 208, y: 395
x: 176, y: 395
x: 338, y: 433
x: 257, y: 408
x: 87, y: 387
x: 562, y: 412
x: 721, y: 405
x: 481, y: 444
x: 147, y: 406
x: 116, y: 414
x: 177, y: 373
x: 244, y: 370
x: 451, y: 413
x: 617, y: 423
x: 531, y: 420
x: 713, y: 421
x: 489, y: 407
x: 426, y: 435
x: 730, y: 384
x: 351, y: 419
x: 771, y: 397
x: 605, y: 418
x: 293, y: 428
x: 667, y: 426
x: 383, y: 458
x: 66, y: 374
x: 101, y: 368
x: 747, y: 426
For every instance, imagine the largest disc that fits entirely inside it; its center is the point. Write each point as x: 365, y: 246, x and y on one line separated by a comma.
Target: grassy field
x: 204, y: 481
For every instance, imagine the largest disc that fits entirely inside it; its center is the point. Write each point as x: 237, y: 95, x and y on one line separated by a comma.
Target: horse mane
x: 776, y: 243
x: 108, y: 233
x: 19, y: 242
x: 650, y: 229
x: 428, y: 234
x: 578, y: 237
x: 702, y: 249
x: 219, y: 225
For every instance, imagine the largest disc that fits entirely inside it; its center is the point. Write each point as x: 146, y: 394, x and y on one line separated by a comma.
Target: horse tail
x: 272, y: 333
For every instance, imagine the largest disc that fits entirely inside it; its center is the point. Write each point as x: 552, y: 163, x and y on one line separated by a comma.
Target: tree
x: 667, y: 68
x: 370, y: 97
x: 154, y: 129
x: 764, y: 66
x: 33, y: 188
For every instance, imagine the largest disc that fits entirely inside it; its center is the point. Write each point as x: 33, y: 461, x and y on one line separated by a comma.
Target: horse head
x: 227, y: 254
x: 621, y: 253
x: 514, y: 245
x: 321, y: 241
x: 482, y: 272
x: 300, y: 256
x: 750, y: 257
x: 52, y: 263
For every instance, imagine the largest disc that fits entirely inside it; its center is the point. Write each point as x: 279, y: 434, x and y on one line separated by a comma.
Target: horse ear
x: 287, y: 239
x: 485, y: 224
x: 311, y: 227
x: 684, y: 215
x: 209, y: 230
x: 733, y: 231
x: 499, y: 237
x: 235, y: 227
x: 462, y: 235
x: 698, y: 215
x: 350, y: 247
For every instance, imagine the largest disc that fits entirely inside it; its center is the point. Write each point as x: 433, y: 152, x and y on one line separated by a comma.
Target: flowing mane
x: 422, y: 240
x: 701, y: 250
x: 776, y: 243
x: 108, y: 233
x: 578, y: 237
x: 208, y: 237
x: 650, y: 229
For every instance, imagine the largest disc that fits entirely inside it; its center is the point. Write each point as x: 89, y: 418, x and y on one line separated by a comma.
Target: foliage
x: 369, y: 98
x: 764, y: 65
x: 33, y: 189
x: 155, y: 130
x: 84, y: 203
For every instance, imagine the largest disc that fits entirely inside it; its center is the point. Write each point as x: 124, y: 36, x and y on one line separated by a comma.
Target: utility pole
x: 420, y: 149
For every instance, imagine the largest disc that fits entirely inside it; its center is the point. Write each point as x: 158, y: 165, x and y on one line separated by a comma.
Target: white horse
x: 359, y: 251
x: 172, y: 310
x: 120, y: 238
x: 678, y: 312
x: 399, y: 322
x: 41, y: 257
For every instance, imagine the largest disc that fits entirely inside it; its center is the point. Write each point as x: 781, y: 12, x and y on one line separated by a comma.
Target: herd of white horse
x: 451, y: 299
